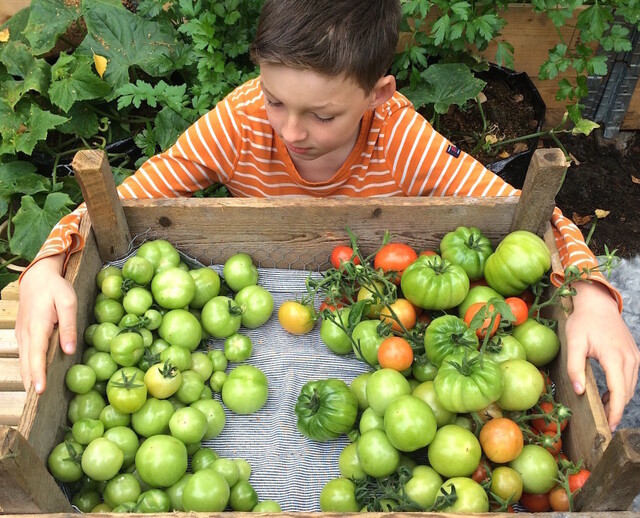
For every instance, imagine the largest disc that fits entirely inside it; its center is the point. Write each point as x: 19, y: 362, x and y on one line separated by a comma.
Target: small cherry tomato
x: 343, y: 254
x: 519, y: 309
x: 295, y: 317
x: 484, y: 327
x: 393, y: 258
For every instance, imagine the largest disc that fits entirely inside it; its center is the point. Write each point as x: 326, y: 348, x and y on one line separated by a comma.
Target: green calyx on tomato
x: 520, y: 260
x: 468, y: 382
x: 467, y: 247
x: 447, y: 335
x: 431, y: 282
x: 326, y: 409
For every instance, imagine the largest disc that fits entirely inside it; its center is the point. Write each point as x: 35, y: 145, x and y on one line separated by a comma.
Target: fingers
x: 66, y: 308
x: 38, y: 357
x: 576, y: 363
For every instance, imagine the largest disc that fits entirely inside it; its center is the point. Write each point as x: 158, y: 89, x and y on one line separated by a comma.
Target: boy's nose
x: 293, y: 130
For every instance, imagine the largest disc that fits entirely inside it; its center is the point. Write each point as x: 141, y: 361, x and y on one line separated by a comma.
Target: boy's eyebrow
x: 316, y: 107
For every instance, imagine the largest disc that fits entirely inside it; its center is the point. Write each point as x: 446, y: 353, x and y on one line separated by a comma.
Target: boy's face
x: 314, y: 115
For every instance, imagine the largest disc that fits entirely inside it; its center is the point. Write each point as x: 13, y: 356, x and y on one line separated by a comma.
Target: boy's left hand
x: 595, y: 329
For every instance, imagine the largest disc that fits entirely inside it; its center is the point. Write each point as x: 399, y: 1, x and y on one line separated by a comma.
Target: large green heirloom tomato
x: 160, y: 253
x: 468, y: 382
x: 326, y: 409
x: 431, y: 282
x: 520, y: 260
x: 447, y: 335
x: 467, y: 247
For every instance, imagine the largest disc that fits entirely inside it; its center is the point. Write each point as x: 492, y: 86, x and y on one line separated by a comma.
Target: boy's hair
x: 354, y: 38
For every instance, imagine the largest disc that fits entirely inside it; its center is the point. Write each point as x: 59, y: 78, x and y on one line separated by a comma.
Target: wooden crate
x: 298, y: 233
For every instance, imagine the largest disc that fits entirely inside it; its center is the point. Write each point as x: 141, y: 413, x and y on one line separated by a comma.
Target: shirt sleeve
x: 427, y: 164
x: 203, y: 155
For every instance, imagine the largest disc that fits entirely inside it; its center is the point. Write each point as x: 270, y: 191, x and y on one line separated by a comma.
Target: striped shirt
x: 397, y: 153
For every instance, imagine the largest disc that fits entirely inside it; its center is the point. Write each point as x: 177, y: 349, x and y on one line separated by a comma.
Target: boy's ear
x: 383, y: 90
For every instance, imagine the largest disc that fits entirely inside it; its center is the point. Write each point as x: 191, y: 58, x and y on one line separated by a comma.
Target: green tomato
x: 359, y: 388
x: 138, y: 269
x: 86, y: 499
x: 504, y: 347
x: 160, y: 253
x: 454, y: 451
x: 244, y: 469
x: 176, y: 490
x: 349, y: 463
x: 191, y: 387
x: 203, y: 458
x: 325, y: 409
x: 431, y: 282
x: 383, y: 387
x: 216, y: 381
x: 467, y: 247
x: 173, y: 288
x: 214, y: 414
x: 201, y: 364
x: 112, y: 287
x: 178, y: 356
x: 378, y: 457
x: 245, y: 390
x: 370, y: 420
x: 179, y: 327
x: 477, y: 294
x: 238, y: 347
x: 367, y: 340
x: 111, y: 418
x: 267, y: 506
x: 103, y: 335
x: 256, y: 304
x: 239, y: 272
x: 447, y: 335
x: 471, y: 496
x: 339, y: 496
x: 106, y: 272
x: 127, y: 348
x: 152, y: 418
x: 243, y: 497
x: 221, y: 317
x: 523, y: 385
x: 520, y: 260
x: 467, y: 382
x: 423, y: 486
x: 426, y: 392
x: 332, y: 334
x: 126, y: 390
x: 409, y: 423
x: 127, y: 440
x: 161, y: 461
x: 103, y: 365
x: 153, y: 501
x: 540, y: 342
x: 537, y: 468
x: 85, y: 430
x: 207, y: 286
x: 108, y: 310
x: 102, y: 459
x: 188, y: 424
x: 137, y: 301
x: 85, y: 405
x: 162, y: 380
x: 206, y: 491
x: 122, y: 488
x: 64, y: 461
x: 80, y: 378
x: 228, y: 469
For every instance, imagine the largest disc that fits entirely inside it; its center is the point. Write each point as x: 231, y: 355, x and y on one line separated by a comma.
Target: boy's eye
x: 275, y: 104
x: 324, y: 119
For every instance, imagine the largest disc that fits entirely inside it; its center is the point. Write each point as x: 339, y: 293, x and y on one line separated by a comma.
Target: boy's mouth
x: 297, y: 150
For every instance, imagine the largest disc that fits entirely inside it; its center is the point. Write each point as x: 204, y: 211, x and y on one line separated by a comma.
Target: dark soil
x: 601, y: 191
x: 605, y: 176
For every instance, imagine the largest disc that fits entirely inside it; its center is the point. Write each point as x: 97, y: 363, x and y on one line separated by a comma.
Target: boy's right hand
x: 46, y: 299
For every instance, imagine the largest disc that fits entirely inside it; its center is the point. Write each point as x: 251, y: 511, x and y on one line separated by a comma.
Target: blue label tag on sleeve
x: 453, y: 151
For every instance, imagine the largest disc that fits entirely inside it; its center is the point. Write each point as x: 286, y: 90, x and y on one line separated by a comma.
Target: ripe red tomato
x: 482, y: 330
x: 395, y: 353
x: 577, y: 480
x: 343, y: 254
x: 550, y: 440
x: 394, y: 258
x: 550, y: 423
x: 536, y: 502
x: 519, y: 309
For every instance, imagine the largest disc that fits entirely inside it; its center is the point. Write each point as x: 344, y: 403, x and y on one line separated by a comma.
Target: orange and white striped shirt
x: 397, y: 153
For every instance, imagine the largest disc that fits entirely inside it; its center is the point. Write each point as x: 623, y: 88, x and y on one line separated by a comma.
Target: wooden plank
x: 10, y: 7
x: 25, y: 484
x: 8, y: 313
x: 10, y: 291
x: 543, y: 180
x: 99, y: 191
x: 10, y: 378
x: 8, y: 344
x: 11, y: 405
x: 286, y: 233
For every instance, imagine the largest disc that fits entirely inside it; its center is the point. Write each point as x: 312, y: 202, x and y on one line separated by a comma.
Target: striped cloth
x: 397, y: 153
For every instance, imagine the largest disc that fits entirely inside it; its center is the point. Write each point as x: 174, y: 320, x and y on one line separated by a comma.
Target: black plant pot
x: 514, y: 168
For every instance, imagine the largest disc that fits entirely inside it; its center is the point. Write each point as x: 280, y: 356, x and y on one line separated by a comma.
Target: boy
x: 323, y: 119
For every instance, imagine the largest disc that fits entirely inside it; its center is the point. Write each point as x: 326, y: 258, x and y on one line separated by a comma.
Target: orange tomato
x: 404, y: 312
x: 501, y: 440
x: 395, y: 353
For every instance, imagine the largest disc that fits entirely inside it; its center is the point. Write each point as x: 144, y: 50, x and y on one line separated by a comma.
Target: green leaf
x: 593, y: 21
x: 169, y: 126
x: 19, y: 177
x: 440, y: 29
x: 37, y: 123
x: 584, y: 127
x: 6, y: 277
x: 48, y: 20
x: 73, y: 80
x: 83, y: 121
x: 127, y: 41
x: 597, y: 65
x: 444, y: 85
x: 34, y: 72
x: 32, y: 224
x: 504, y: 54
x: 617, y: 40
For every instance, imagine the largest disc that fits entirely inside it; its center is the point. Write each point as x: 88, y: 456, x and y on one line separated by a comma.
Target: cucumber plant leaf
x: 32, y: 223
x: 73, y: 79
x: 48, y: 20
x: 19, y: 177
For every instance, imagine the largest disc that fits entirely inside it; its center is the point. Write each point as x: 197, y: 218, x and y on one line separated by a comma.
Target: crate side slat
x: 25, y: 484
x: 10, y: 291
x: 45, y: 416
x: 8, y: 313
x: 587, y: 434
x: 11, y: 406
x: 287, y: 233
